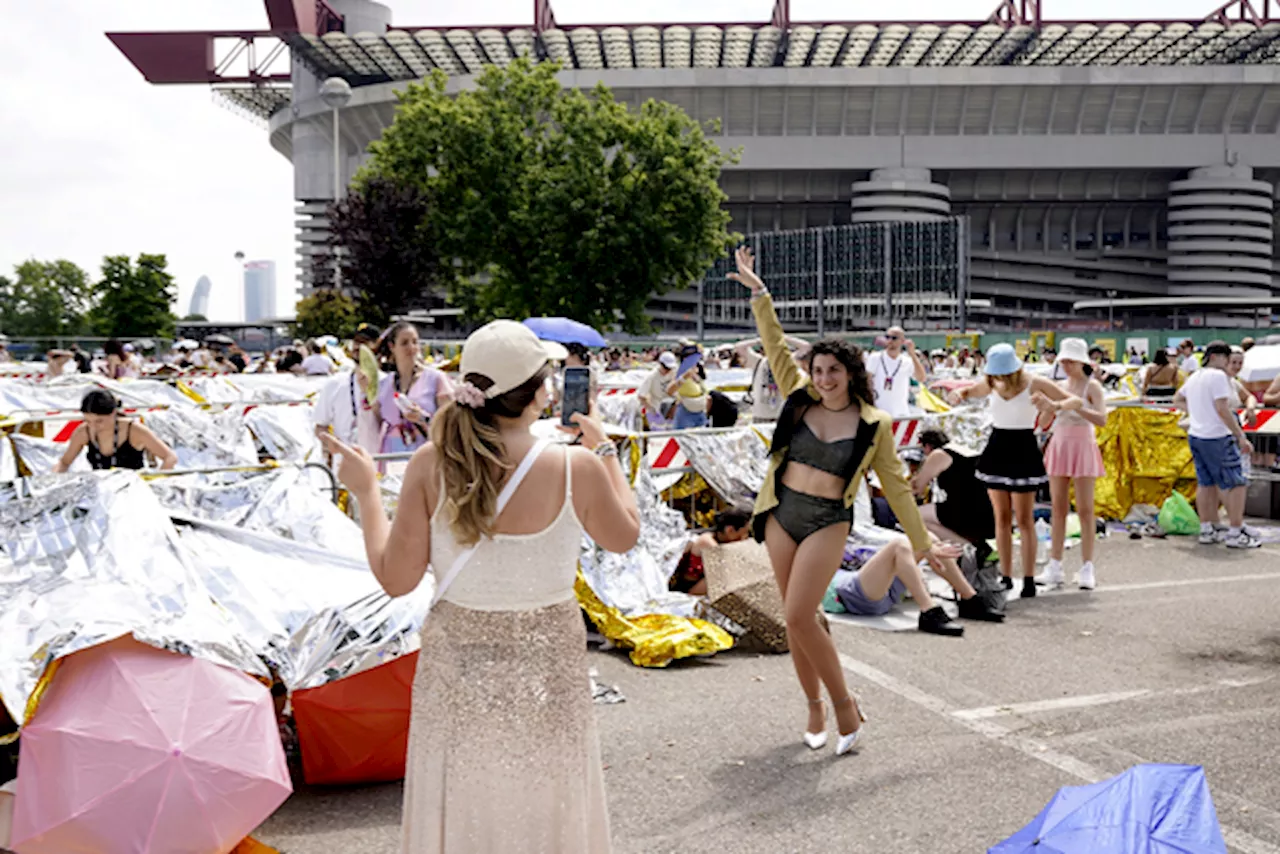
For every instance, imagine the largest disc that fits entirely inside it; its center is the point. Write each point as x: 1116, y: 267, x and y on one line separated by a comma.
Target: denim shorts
x: 1218, y: 462
x: 855, y: 600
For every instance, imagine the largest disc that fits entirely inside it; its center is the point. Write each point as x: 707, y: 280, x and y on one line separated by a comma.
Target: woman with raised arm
x: 1011, y: 464
x: 827, y: 436
x: 503, y: 752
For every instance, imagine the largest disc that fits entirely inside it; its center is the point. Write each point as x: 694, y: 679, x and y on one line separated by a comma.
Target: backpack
x: 984, y: 576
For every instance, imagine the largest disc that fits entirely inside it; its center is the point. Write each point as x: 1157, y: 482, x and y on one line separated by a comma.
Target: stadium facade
x: 1124, y: 167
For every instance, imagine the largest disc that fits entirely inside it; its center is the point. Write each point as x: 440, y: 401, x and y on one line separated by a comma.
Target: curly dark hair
x: 849, y: 355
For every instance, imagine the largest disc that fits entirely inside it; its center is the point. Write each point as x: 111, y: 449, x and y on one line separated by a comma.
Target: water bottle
x: 1043, y: 533
x: 1246, y: 465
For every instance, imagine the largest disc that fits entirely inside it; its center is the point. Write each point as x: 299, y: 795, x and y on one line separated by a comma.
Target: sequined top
x: 513, y: 572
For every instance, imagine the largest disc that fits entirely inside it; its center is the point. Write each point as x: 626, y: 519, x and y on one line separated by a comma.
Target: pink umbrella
x: 138, y: 750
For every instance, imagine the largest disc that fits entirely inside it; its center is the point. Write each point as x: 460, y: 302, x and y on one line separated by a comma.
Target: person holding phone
x: 503, y: 753
x: 410, y: 393
x: 828, y: 435
x: 689, y: 388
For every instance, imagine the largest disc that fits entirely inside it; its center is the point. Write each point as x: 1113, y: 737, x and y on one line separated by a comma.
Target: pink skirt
x: 1073, y: 452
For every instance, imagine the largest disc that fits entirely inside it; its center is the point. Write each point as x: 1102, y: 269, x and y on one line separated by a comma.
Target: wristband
x: 605, y: 449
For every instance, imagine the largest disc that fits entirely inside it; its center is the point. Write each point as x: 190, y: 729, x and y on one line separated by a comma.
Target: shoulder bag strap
x: 503, y: 498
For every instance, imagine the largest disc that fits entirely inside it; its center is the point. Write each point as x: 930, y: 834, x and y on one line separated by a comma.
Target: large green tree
x: 554, y: 201
x: 45, y: 298
x: 133, y: 300
x: 325, y: 312
x: 381, y: 233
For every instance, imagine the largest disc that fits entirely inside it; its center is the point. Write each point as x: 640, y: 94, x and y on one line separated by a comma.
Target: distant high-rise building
x: 200, y: 297
x: 259, y: 290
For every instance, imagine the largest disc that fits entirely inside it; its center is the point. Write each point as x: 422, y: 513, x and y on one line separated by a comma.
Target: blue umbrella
x: 1149, y: 809
x: 565, y: 331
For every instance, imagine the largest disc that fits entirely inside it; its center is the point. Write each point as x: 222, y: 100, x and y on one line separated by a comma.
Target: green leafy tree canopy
x: 134, y: 299
x: 555, y: 201
x: 45, y: 298
x: 325, y: 312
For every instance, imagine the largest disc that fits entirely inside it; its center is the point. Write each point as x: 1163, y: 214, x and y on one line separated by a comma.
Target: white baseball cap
x: 668, y: 360
x: 508, y: 353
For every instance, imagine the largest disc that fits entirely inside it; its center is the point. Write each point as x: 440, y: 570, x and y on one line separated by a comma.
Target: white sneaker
x: 1252, y: 531
x: 1053, y: 576
x: 1209, y: 537
x: 1084, y: 578
x: 1243, y: 541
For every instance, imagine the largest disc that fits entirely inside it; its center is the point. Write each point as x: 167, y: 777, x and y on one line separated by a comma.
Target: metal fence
x: 851, y: 277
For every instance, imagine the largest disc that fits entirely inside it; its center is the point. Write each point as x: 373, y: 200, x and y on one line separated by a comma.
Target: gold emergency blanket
x: 1147, y: 458
x: 654, y: 639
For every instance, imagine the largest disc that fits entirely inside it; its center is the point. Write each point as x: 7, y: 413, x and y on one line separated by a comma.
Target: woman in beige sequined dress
x: 503, y: 750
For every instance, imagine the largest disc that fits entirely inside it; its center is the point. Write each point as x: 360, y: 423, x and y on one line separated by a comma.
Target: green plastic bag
x: 1177, y: 516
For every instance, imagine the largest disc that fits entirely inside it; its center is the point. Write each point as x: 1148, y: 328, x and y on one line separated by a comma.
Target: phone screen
x: 577, y: 391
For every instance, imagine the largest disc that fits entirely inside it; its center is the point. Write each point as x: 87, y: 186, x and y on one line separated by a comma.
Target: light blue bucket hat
x: 1002, y: 360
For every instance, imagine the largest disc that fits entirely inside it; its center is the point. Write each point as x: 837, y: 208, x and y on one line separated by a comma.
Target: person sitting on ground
x: 1161, y: 377
x: 880, y: 583
x: 963, y: 513
x: 289, y: 361
x: 732, y: 526
x: 110, y: 446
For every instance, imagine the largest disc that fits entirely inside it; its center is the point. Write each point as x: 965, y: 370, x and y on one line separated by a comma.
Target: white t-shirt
x: 891, y: 382
x: 766, y: 397
x: 653, y: 388
x: 317, y: 364
x: 1190, y: 365
x: 1201, y: 390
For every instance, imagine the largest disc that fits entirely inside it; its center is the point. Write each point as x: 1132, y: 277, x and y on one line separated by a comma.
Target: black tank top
x: 126, y: 456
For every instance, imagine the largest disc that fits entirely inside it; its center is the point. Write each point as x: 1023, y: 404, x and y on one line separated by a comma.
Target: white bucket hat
x: 508, y: 353
x: 1074, y: 350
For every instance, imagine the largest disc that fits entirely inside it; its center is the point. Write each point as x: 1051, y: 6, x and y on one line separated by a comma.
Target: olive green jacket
x: 881, y: 456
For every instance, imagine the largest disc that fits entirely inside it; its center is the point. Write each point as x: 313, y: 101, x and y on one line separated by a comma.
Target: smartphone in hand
x: 577, y: 394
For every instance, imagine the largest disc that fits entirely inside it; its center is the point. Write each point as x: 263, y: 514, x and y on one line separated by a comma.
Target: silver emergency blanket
x: 311, y: 614
x: 636, y: 582
x: 8, y: 459
x: 204, y: 439
x: 621, y: 410
x: 39, y: 456
x: 733, y: 463
x: 88, y: 558
x: 286, y: 433
x: 968, y: 424
x: 290, y: 502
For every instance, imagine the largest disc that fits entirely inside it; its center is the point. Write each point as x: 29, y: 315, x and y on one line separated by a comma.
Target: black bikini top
x: 125, y: 456
x: 839, y: 458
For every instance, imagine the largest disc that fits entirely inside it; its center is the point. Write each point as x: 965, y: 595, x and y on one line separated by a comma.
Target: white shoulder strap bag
x: 503, y: 497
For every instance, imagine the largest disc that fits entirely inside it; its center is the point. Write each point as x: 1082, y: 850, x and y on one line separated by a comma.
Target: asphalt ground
x: 1174, y: 658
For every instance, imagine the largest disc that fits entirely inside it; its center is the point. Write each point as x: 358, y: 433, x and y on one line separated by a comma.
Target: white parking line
x: 1190, y: 582
x: 1087, y: 700
x: 1033, y: 748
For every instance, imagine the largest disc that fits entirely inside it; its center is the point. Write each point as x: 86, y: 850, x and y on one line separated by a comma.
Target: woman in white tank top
x: 1011, y: 465
x: 503, y: 752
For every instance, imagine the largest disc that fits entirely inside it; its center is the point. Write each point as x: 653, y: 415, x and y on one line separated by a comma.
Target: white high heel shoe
x: 847, y: 742
x: 816, y: 740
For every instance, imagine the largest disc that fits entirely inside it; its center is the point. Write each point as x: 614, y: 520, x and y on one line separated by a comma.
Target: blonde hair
x: 473, y: 458
x: 1013, y: 382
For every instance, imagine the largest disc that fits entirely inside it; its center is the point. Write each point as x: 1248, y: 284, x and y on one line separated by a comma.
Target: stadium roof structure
x: 251, y: 68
